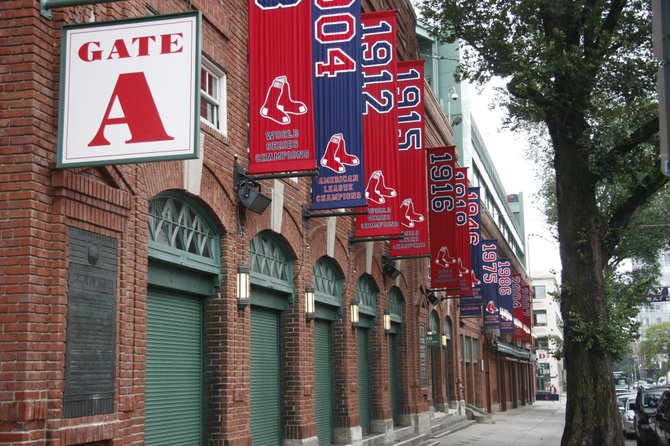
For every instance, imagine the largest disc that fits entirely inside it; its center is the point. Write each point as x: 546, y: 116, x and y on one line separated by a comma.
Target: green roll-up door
x: 265, y: 377
x: 393, y: 378
x: 323, y: 382
x: 433, y: 377
x: 363, y: 379
x: 174, y: 370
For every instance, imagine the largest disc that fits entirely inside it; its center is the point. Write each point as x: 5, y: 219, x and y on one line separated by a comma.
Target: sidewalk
x: 538, y: 424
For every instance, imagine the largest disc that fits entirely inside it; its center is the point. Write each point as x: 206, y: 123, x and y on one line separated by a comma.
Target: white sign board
x: 130, y: 91
x: 541, y: 355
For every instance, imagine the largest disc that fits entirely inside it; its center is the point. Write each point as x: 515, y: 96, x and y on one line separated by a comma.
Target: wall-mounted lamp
x: 389, y: 269
x: 249, y: 191
x: 443, y: 340
x: 354, y: 313
x: 309, y: 302
x: 387, y: 322
x: 453, y: 96
x: 456, y: 121
x: 243, y: 286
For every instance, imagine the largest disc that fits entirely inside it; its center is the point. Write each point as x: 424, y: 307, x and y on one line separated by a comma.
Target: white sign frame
x: 130, y: 91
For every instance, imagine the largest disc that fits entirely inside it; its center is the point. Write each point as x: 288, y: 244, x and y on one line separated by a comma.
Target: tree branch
x: 622, y: 214
x: 641, y: 135
x: 528, y: 93
x: 610, y: 23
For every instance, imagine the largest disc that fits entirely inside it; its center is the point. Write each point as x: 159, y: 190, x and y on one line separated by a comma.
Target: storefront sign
x: 130, y: 91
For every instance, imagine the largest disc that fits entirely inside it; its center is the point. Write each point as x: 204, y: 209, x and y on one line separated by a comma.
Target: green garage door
x: 363, y: 380
x: 393, y: 378
x: 174, y: 370
x: 323, y: 382
x: 265, y: 377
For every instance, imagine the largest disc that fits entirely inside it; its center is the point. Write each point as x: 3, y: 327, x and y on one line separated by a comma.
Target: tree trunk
x: 591, y: 411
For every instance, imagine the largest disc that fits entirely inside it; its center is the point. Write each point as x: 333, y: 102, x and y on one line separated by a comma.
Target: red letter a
x: 140, y: 113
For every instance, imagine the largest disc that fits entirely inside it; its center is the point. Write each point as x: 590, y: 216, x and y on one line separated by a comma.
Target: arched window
x: 328, y: 282
x: 367, y: 296
x: 271, y: 265
x: 180, y: 232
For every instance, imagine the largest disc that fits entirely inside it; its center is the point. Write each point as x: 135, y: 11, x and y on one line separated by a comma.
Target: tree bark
x: 591, y: 412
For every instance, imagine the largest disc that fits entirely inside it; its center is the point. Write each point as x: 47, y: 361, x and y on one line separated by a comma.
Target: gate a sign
x: 130, y: 91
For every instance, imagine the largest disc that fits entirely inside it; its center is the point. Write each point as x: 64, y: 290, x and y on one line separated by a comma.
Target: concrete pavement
x: 538, y: 424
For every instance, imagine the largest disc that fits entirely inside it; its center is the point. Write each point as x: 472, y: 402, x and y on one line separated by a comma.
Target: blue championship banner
x: 472, y: 306
x: 338, y: 104
x: 505, y: 304
x: 489, y: 285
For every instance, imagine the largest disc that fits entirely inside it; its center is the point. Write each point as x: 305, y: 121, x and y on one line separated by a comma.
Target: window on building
x: 539, y: 291
x: 475, y: 350
x: 213, y: 96
x: 540, y: 318
x: 542, y: 343
x: 468, y: 349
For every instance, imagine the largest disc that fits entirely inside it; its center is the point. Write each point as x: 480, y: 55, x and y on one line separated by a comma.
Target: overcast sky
x: 517, y: 175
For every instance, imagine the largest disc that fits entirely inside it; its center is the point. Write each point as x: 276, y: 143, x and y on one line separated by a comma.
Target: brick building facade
x: 121, y: 323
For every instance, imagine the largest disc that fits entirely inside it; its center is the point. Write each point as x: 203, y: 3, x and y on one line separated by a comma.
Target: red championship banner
x: 444, y: 244
x: 380, y: 126
x: 517, y: 309
x: 280, y: 87
x: 464, y: 253
x: 412, y: 157
x: 527, y: 318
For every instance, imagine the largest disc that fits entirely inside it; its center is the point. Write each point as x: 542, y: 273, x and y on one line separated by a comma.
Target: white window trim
x: 222, y: 100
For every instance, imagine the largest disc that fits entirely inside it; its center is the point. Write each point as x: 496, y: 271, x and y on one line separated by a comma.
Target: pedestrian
x: 553, y: 389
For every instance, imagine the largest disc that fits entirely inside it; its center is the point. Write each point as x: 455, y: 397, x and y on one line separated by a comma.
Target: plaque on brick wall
x: 91, y: 325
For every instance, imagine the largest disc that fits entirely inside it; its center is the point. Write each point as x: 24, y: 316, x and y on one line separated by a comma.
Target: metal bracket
x: 308, y: 213
x: 381, y: 238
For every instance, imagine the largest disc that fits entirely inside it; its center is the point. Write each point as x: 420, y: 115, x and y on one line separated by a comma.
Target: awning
x: 513, y: 351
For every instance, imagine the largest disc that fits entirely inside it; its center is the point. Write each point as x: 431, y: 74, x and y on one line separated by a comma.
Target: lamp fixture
x: 243, y: 286
x: 249, y: 191
x: 309, y: 302
x: 456, y: 121
x: 387, y: 322
x: 443, y: 340
x: 354, y: 313
x: 389, y: 269
x: 453, y: 96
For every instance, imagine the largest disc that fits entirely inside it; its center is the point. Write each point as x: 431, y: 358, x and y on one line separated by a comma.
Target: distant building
x: 547, y: 326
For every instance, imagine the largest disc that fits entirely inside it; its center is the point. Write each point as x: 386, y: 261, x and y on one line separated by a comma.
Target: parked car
x: 663, y: 420
x: 647, y: 402
x: 626, y: 404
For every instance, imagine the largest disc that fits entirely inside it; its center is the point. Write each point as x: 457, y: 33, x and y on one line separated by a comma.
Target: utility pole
x: 661, y: 34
